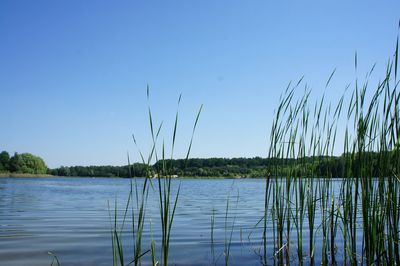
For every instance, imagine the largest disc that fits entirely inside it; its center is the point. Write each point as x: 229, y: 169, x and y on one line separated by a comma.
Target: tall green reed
x: 168, y: 201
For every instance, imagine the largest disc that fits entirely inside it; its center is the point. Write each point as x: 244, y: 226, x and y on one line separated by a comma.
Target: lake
x: 70, y: 217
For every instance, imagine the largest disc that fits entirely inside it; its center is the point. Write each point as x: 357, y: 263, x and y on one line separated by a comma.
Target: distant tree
x: 27, y: 163
x: 4, y: 161
x: 63, y: 171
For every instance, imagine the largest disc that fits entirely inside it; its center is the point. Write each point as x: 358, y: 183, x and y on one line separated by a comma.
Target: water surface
x: 70, y: 217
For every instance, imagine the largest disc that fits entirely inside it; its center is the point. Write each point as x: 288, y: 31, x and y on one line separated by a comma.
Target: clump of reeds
x: 138, y: 197
x: 303, y: 139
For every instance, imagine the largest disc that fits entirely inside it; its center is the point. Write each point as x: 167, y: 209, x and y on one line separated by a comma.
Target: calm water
x: 70, y: 217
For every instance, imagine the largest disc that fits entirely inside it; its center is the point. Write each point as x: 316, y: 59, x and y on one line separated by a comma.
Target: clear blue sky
x: 73, y: 74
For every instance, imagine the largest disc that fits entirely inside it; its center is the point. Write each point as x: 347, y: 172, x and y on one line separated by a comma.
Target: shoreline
x: 20, y: 175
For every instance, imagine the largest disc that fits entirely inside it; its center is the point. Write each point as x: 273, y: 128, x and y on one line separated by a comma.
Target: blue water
x: 70, y: 217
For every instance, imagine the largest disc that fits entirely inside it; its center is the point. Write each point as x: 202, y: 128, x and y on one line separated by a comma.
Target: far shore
x: 21, y: 175
x: 24, y: 175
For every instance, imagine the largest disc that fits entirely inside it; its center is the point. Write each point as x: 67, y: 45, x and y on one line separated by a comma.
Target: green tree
x: 27, y: 163
x: 4, y: 161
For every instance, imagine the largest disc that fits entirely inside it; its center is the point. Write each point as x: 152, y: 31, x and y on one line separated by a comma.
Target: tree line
x: 321, y: 166
x: 197, y: 167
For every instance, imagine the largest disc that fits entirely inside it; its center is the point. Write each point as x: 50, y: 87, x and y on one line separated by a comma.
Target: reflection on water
x: 70, y: 217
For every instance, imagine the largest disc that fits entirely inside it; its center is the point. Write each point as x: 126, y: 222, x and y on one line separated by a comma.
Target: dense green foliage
x: 25, y: 163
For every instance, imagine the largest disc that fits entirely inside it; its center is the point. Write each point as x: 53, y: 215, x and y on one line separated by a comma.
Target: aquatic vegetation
x: 357, y: 222
x: 367, y: 205
x: 167, y: 201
